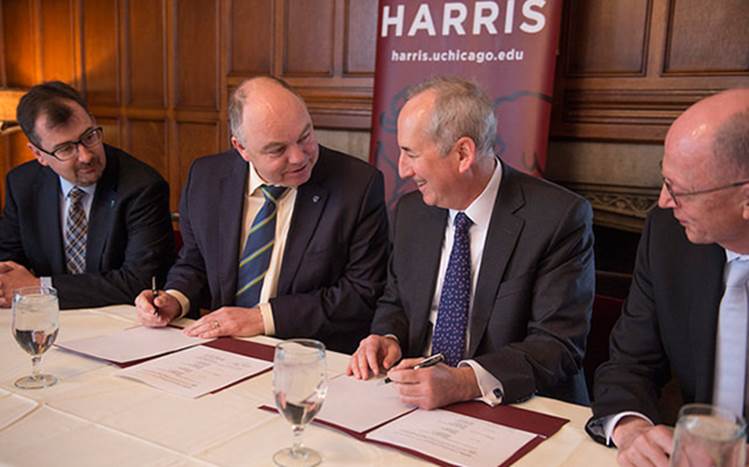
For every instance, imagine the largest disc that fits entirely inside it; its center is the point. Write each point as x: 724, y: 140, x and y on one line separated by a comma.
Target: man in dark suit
x: 491, y: 267
x: 678, y: 318
x: 84, y: 217
x: 322, y: 265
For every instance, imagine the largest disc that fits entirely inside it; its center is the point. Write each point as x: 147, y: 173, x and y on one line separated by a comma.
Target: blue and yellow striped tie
x: 258, y: 249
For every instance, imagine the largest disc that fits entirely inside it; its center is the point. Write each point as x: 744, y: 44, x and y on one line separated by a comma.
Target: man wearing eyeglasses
x: 84, y: 217
x: 686, y: 315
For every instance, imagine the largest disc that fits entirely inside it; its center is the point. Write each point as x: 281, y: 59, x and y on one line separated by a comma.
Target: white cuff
x: 491, y: 388
x: 184, y: 302
x: 610, y: 422
x: 45, y: 281
x: 266, y: 312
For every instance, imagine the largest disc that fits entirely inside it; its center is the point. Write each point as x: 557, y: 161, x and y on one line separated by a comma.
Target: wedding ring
x: 216, y: 325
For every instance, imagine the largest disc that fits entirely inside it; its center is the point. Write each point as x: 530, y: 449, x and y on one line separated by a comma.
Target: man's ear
x: 466, y: 149
x: 38, y: 154
x: 745, y: 202
x: 240, y: 148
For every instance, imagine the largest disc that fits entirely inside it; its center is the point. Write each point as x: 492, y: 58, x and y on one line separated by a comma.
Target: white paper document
x: 453, y: 438
x: 195, y: 371
x: 133, y: 344
x: 360, y: 405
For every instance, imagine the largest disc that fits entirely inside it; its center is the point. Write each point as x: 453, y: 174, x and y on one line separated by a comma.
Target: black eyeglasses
x: 69, y: 150
x: 675, y: 195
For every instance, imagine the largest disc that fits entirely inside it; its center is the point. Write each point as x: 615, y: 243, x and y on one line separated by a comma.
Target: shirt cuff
x: 491, y: 388
x: 266, y: 312
x: 45, y: 282
x: 610, y: 422
x: 184, y: 302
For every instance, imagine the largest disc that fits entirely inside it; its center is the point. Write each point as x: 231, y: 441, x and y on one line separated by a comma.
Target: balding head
x: 706, y: 170
x: 272, y: 130
x: 715, y: 129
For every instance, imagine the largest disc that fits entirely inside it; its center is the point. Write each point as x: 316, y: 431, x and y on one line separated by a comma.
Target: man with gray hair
x: 288, y: 238
x: 490, y: 267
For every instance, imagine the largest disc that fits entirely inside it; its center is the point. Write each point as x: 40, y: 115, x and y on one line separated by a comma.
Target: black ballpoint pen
x: 155, y: 293
x: 426, y: 363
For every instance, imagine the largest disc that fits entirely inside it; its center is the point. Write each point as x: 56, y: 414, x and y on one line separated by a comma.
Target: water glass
x: 299, y: 387
x: 36, y: 316
x: 708, y: 436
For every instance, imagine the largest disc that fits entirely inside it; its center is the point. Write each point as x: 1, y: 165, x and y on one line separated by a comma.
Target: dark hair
x: 237, y: 101
x: 51, y: 99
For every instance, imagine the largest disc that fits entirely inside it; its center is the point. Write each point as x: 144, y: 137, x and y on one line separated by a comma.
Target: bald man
x: 288, y: 238
x: 689, y: 277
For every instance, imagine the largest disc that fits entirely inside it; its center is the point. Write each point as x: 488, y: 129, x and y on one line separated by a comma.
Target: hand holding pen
x: 425, y: 363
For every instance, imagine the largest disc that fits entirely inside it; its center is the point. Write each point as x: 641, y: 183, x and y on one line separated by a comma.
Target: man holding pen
x: 490, y: 267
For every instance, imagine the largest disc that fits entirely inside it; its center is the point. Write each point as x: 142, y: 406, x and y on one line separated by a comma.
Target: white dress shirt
x: 480, y: 212
x: 253, y: 202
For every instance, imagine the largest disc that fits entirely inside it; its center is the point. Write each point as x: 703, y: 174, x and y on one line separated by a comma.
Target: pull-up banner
x: 507, y: 46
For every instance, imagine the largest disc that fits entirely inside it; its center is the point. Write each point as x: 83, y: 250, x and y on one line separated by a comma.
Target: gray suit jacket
x: 531, y: 308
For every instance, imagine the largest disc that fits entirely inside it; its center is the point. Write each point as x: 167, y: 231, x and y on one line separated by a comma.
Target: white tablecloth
x: 91, y: 418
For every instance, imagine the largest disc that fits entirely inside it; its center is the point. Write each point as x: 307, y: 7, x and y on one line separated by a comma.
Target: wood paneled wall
x: 157, y: 73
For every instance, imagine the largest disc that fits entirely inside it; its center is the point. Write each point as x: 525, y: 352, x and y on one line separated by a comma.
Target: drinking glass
x: 709, y: 436
x: 36, y: 315
x: 299, y: 387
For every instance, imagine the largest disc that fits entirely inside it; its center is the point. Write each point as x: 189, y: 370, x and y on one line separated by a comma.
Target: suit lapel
x: 504, y: 231
x: 429, y: 226
x: 103, y: 212
x: 47, y: 192
x: 705, y: 293
x: 227, y: 230
x: 311, y: 199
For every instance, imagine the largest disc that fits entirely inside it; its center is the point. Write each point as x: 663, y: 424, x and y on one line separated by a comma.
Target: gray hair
x: 731, y: 143
x: 461, y: 109
x: 238, y: 99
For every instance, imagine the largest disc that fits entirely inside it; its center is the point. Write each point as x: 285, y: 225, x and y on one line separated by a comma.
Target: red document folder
x: 542, y: 425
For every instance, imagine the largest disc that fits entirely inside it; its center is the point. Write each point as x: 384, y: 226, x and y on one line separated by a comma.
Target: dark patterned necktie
x: 257, y: 251
x: 76, y: 232
x: 449, y: 336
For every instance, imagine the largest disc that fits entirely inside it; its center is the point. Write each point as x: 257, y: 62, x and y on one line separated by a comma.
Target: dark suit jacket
x: 668, y: 324
x: 531, y: 308
x: 129, y: 233
x: 333, y: 268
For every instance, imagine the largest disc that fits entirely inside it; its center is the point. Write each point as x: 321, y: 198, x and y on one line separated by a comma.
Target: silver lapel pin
x: 315, y: 198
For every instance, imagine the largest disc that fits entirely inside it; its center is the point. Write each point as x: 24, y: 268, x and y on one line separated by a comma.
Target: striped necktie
x: 258, y: 249
x: 452, y: 312
x: 76, y: 232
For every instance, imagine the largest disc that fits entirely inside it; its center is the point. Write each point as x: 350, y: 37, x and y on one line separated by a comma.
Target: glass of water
x: 708, y: 435
x: 36, y: 317
x: 299, y: 387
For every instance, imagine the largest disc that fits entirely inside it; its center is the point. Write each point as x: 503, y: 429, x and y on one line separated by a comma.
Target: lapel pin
x: 315, y: 199
x: 111, y: 203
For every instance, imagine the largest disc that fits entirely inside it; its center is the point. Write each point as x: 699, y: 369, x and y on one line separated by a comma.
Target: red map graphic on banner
x: 507, y: 46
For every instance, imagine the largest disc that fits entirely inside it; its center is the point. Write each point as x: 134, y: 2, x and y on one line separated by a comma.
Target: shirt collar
x: 732, y: 255
x: 66, y: 186
x: 480, y: 210
x: 255, y: 181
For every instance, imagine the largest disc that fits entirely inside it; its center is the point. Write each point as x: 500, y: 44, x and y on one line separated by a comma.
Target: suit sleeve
x: 188, y: 275
x: 149, y: 252
x: 558, y: 319
x: 631, y: 379
x: 11, y: 247
x: 347, y: 303
x: 390, y: 317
